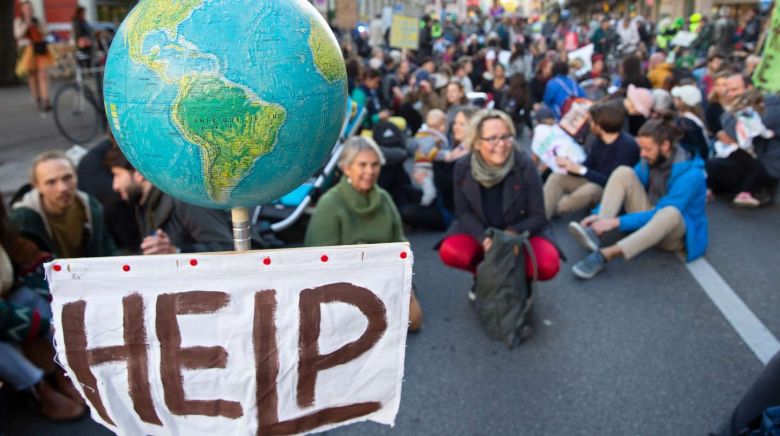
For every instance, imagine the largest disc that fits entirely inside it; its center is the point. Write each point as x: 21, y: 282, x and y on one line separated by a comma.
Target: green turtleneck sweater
x: 345, y: 217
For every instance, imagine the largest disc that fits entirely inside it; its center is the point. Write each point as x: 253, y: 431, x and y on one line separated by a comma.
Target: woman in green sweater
x: 357, y: 211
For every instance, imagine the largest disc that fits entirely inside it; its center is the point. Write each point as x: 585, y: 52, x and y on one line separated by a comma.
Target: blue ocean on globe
x: 225, y: 103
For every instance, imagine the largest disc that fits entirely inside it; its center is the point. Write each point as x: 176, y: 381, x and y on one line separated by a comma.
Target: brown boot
x: 65, y: 386
x: 56, y: 406
x: 415, y: 314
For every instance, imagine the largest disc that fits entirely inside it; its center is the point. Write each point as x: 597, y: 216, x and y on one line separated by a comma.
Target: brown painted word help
x: 175, y: 358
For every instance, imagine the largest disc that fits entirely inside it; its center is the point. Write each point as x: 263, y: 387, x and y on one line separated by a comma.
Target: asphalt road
x: 23, y: 134
x: 639, y: 350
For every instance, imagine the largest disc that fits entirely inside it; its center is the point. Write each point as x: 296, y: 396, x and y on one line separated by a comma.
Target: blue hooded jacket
x: 686, y: 191
x: 559, y: 89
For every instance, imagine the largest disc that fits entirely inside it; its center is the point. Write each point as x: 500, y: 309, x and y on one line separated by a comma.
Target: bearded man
x: 663, y: 199
x: 167, y: 225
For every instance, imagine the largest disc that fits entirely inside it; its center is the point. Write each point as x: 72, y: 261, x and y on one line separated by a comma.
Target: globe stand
x: 241, y: 234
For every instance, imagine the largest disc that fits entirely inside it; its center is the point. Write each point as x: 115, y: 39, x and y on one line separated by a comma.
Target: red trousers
x: 462, y: 251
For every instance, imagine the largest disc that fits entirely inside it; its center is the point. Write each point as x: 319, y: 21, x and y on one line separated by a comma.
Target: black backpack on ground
x: 504, y: 293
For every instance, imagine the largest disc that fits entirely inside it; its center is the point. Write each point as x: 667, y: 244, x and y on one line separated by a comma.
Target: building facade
x: 60, y: 12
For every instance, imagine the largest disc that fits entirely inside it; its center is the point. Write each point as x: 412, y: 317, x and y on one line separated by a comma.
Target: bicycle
x: 78, y: 109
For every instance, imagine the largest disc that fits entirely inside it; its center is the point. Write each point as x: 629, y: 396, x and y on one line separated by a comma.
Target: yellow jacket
x: 658, y: 75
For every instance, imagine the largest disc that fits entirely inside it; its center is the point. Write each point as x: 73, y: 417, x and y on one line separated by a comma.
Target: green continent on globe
x: 327, y: 57
x: 232, y: 125
x: 155, y: 16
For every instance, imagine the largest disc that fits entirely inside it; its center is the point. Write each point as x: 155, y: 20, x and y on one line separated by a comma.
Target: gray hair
x: 354, y: 146
x: 663, y: 103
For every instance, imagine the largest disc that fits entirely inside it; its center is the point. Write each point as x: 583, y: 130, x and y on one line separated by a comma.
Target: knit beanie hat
x: 641, y: 98
x: 689, y: 94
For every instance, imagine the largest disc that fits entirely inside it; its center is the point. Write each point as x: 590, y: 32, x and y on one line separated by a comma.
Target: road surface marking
x: 755, y: 334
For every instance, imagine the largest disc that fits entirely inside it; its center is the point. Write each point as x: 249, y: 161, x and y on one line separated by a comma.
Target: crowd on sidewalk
x: 491, y: 129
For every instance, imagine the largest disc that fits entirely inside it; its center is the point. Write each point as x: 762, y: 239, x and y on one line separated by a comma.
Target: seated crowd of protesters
x: 661, y: 139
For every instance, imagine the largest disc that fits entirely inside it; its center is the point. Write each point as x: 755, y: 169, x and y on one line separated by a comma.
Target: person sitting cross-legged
x: 56, y: 216
x: 582, y: 184
x: 663, y: 197
x: 26, y: 350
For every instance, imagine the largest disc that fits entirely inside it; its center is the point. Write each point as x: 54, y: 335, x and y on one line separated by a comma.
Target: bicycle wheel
x: 76, y: 114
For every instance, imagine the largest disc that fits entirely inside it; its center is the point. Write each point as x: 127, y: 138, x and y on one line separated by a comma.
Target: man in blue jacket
x: 664, y: 200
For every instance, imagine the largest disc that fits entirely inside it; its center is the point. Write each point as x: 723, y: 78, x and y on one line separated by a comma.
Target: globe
x: 225, y: 103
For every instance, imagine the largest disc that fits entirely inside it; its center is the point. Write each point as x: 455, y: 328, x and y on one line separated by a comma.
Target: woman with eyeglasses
x: 496, y: 186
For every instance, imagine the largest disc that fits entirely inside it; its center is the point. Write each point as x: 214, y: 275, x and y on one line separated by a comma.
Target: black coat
x: 523, y: 201
x: 96, y: 179
x: 192, y: 229
x: 537, y: 87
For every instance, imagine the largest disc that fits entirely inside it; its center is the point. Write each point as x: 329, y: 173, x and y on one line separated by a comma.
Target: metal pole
x: 241, y: 238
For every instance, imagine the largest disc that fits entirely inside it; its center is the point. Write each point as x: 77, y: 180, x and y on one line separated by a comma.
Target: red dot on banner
x: 324, y: 258
x: 194, y: 262
x: 267, y: 261
x: 57, y: 268
x: 404, y: 255
x: 125, y: 268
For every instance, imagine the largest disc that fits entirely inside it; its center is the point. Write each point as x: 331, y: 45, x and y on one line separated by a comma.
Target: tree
x: 7, y: 44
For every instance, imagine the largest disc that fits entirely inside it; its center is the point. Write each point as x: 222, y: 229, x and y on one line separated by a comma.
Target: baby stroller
x: 274, y: 225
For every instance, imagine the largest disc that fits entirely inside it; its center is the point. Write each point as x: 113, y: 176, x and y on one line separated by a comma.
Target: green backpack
x: 504, y: 292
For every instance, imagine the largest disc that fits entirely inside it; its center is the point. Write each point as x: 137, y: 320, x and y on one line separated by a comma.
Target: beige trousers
x: 565, y: 193
x: 666, y: 230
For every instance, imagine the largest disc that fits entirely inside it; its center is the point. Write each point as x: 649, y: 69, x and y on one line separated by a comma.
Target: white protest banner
x: 550, y: 142
x: 275, y: 342
x: 585, y: 54
x: 683, y: 38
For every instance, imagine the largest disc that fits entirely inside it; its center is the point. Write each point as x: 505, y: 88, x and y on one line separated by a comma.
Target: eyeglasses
x: 494, y: 140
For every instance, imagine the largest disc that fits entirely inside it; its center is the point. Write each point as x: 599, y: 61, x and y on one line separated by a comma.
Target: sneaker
x: 587, y: 268
x: 472, y: 296
x: 746, y: 199
x: 586, y: 237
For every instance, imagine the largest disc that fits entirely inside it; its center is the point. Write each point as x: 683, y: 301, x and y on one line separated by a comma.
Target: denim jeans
x: 16, y: 369
x: 27, y: 297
